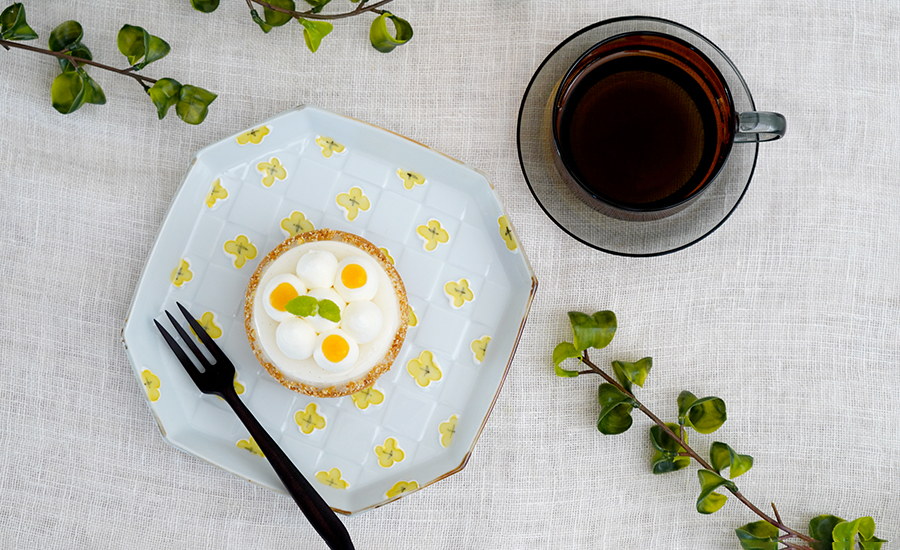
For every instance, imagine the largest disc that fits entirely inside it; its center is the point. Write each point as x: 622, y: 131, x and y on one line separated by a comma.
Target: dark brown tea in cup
x: 642, y: 123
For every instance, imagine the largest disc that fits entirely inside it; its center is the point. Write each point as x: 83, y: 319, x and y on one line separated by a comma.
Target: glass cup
x: 644, y: 122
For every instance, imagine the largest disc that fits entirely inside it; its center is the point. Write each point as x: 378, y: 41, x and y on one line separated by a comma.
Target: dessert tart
x: 326, y: 313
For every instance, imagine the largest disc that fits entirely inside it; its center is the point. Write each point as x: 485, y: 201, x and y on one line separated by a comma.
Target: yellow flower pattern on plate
x: 250, y: 446
x: 506, y: 233
x: 181, y: 274
x: 401, y: 487
x: 413, y: 320
x: 329, y: 146
x: 151, y: 384
x: 332, y: 478
x: 410, y: 179
x: 216, y: 194
x: 208, y: 322
x: 424, y: 369
x: 479, y: 348
x: 389, y: 454
x: 369, y: 396
x: 242, y: 250
x: 433, y: 234
x: 353, y: 201
x: 447, y: 429
x: 271, y: 170
x: 296, y: 223
x: 309, y: 419
x: 459, y: 292
x: 254, y: 136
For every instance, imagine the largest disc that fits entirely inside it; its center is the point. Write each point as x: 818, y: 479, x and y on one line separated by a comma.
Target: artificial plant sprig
x: 74, y: 87
x: 671, y: 451
x: 316, y: 25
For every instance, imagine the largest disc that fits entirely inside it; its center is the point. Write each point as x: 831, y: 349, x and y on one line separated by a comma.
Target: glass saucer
x: 623, y: 237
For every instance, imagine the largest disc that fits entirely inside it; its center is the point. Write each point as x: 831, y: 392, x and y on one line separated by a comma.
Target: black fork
x: 218, y: 378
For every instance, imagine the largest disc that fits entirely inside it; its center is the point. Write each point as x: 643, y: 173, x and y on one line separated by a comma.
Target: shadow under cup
x: 642, y: 123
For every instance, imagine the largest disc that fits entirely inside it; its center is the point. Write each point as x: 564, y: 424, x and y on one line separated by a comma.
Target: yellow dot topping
x: 335, y: 348
x: 281, y: 295
x: 353, y: 276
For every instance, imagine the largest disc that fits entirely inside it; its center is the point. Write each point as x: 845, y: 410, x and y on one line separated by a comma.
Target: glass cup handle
x: 757, y: 126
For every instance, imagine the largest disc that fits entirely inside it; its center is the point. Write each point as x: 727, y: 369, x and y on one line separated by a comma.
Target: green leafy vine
x: 671, y: 451
x: 317, y: 25
x: 74, y: 87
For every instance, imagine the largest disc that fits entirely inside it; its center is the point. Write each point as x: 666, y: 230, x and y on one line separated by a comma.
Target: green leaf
x: 871, y: 544
x: 381, y: 37
x: 259, y: 21
x: 314, y: 32
x: 615, y: 410
x: 710, y: 501
x: 135, y: 43
x: 759, y: 535
x: 705, y: 415
x: 632, y: 373
x: 563, y: 351
x: 666, y: 458
x: 64, y: 35
x: 685, y: 400
x: 193, y: 104
x: 820, y: 528
x: 302, y: 306
x: 329, y: 310
x: 722, y: 456
x: 317, y: 5
x: 66, y: 38
x: 206, y: 6
x: 846, y: 531
x: 13, y: 25
x: 277, y: 18
x: 844, y: 534
x: 159, y: 48
x: 92, y: 92
x: 164, y: 94
x: 67, y: 92
x: 593, y: 331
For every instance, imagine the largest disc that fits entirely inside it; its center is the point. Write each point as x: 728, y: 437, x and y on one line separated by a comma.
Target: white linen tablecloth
x: 790, y: 312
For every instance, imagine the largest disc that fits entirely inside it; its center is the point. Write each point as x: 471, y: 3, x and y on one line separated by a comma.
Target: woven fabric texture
x: 790, y: 311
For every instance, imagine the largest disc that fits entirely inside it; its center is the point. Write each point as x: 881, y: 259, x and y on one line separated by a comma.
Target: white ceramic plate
x: 247, y: 193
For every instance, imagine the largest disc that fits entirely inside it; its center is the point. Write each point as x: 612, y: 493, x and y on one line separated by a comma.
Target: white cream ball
x: 278, y: 292
x: 356, y: 278
x: 335, y: 351
x: 296, y: 338
x: 362, y: 320
x: 317, y: 268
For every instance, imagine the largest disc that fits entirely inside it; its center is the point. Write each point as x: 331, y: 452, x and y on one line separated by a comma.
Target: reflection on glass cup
x: 643, y: 123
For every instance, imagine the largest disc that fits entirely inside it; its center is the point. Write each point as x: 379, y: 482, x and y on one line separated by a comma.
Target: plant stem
x: 142, y: 80
x: 361, y: 8
x: 693, y: 454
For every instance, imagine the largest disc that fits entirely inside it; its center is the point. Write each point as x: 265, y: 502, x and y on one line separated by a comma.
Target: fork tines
x: 220, y: 369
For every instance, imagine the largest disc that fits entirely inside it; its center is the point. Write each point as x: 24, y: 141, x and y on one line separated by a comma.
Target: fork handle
x: 313, y: 506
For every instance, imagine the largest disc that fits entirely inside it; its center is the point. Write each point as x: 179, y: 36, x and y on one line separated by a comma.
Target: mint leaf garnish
x: 302, y: 306
x: 329, y: 310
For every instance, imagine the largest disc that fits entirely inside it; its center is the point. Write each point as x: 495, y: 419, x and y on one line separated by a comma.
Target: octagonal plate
x: 310, y: 168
